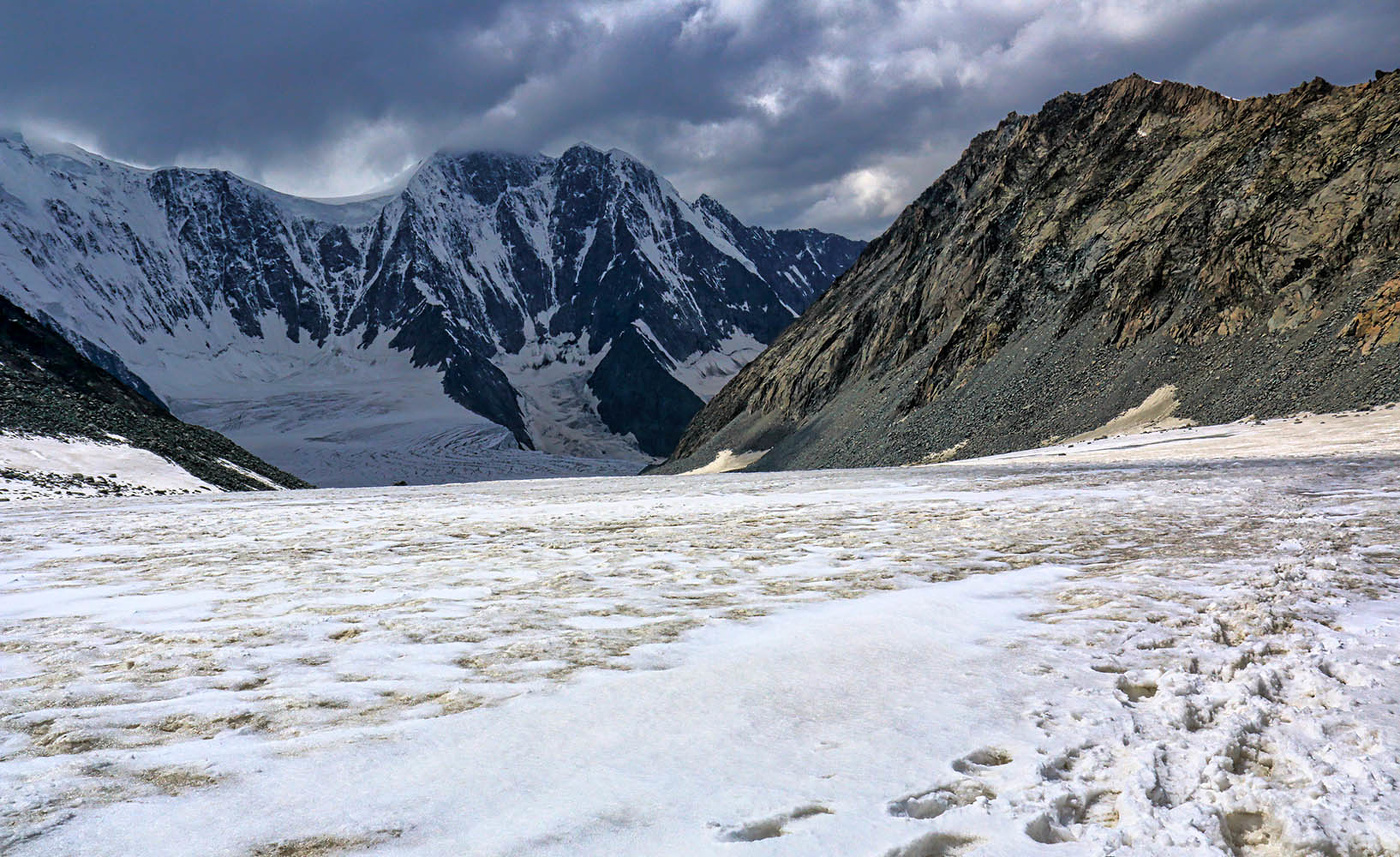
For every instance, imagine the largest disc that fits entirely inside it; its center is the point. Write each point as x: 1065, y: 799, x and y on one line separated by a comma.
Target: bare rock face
x: 1074, y: 261
x: 1378, y: 322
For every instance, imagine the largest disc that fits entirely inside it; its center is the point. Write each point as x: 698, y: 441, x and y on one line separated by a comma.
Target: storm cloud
x: 822, y: 113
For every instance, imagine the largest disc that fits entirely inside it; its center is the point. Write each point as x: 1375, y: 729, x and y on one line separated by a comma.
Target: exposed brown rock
x: 1378, y: 322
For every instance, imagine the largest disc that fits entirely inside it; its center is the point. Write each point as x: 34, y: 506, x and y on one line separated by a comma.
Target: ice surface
x: 707, y: 372
x: 1195, y: 655
x: 562, y: 412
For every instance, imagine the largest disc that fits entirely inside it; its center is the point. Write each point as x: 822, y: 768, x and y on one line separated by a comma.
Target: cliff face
x: 1074, y: 261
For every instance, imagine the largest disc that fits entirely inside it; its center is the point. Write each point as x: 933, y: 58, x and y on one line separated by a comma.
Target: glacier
x: 1111, y: 647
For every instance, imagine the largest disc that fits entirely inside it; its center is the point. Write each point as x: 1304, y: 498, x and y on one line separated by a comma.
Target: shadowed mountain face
x: 467, y: 312
x: 49, y: 389
x: 637, y: 396
x: 1075, y: 261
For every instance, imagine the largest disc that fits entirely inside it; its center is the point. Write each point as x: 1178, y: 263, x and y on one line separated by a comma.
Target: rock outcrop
x: 1076, y: 261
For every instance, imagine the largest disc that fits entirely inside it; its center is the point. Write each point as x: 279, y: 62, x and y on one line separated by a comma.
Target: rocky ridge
x: 1073, y: 262
x: 48, y: 389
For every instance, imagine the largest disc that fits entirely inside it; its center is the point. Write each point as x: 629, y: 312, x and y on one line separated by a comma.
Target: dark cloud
x: 823, y: 112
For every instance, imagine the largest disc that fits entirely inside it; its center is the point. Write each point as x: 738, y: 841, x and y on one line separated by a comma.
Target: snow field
x: 1073, y: 657
x: 34, y: 467
x: 1305, y: 435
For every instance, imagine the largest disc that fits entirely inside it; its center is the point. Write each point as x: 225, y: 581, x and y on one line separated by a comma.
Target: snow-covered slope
x: 42, y: 468
x: 1170, y: 653
x: 492, y: 286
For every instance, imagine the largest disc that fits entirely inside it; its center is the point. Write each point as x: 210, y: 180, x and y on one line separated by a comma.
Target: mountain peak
x: 587, y: 153
x: 582, y: 151
x: 39, y: 145
x: 711, y: 206
x: 482, y: 175
x: 616, y: 154
x: 482, y: 156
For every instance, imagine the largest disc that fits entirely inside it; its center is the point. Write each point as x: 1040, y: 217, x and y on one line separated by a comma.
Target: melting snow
x: 1194, y: 656
x: 727, y: 461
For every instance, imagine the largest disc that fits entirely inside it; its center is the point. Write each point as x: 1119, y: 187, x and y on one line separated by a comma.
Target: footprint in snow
x: 772, y: 826
x: 936, y: 801
x: 935, y: 845
x: 981, y: 760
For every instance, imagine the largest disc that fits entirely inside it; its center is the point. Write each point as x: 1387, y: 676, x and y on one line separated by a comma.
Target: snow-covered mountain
x: 495, y: 308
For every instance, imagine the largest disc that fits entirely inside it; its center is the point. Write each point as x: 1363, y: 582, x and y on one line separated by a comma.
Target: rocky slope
x: 49, y: 390
x: 1233, y: 257
x: 433, y: 333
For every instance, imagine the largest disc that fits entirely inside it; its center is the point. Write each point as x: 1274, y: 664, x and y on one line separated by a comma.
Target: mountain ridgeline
x: 1138, y: 237
x: 495, y: 303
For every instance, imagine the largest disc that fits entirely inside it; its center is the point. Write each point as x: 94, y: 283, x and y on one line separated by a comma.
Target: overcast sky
x: 802, y: 113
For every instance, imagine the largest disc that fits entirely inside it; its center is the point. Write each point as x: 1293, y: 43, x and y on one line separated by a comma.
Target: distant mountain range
x: 1144, y: 243
x: 494, y: 309
x: 55, y: 403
